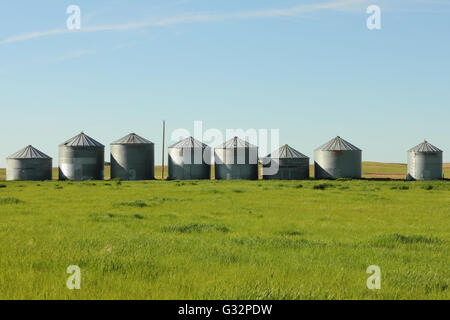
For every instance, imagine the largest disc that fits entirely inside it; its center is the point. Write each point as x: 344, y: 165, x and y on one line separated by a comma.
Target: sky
x: 311, y: 69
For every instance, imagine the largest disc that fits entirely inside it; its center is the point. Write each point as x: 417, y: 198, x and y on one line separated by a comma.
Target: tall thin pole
x: 163, y: 140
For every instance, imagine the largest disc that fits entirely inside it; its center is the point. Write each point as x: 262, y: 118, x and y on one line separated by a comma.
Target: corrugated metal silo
x: 424, y: 162
x: 132, y: 158
x: 292, y: 165
x: 189, y: 159
x: 337, y: 159
x: 81, y: 158
x: 236, y: 159
x: 29, y: 164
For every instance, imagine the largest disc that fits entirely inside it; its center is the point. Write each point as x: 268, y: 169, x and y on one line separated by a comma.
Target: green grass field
x: 225, y: 239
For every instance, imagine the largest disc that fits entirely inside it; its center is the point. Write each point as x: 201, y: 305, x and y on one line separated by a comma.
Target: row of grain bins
x: 132, y: 158
x: 235, y: 159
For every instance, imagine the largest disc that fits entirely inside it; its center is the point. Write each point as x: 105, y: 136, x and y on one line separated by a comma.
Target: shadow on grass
x: 394, y: 239
x: 195, y: 228
x: 10, y: 201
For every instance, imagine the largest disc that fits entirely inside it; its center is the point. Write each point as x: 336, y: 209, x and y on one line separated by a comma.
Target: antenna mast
x: 163, y: 140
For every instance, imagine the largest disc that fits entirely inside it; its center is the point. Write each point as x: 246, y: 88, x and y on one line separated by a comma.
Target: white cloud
x: 337, y: 5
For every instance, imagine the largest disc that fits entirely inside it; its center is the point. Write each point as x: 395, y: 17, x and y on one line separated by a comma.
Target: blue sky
x: 309, y: 68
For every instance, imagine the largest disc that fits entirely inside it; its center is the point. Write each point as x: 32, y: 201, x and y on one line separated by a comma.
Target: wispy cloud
x: 124, y: 46
x: 437, y: 2
x: 75, y: 55
x: 337, y: 5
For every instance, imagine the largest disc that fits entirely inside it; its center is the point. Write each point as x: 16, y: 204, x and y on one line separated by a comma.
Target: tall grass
x: 225, y: 239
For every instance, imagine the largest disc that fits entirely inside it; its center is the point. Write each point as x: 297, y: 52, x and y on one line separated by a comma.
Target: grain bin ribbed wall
x: 189, y: 159
x: 337, y: 159
x: 81, y: 158
x: 236, y: 159
x: 29, y: 164
x: 292, y: 165
x: 132, y: 158
x: 424, y: 162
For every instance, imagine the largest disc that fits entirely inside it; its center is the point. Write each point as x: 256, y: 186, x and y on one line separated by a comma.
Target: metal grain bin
x: 133, y: 158
x: 292, y: 165
x: 337, y: 159
x: 189, y: 159
x: 424, y: 162
x: 29, y: 164
x: 81, y: 158
x: 236, y: 159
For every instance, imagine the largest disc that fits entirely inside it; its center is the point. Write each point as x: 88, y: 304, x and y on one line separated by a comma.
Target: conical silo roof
x: 235, y: 142
x: 29, y: 152
x: 189, y: 142
x: 82, y: 140
x: 286, y: 152
x: 337, y: 144
x: 132, y: 138
x: 425, y: 147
